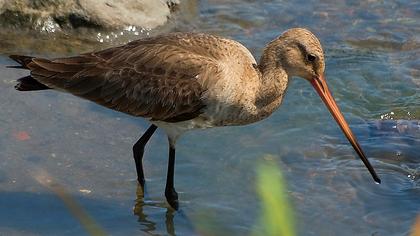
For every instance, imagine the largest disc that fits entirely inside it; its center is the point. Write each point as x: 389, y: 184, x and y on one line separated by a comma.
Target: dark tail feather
x: 29, y: 84
x: 22, y: 60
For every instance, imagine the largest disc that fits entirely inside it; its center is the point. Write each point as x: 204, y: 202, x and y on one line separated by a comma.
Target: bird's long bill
x: 321, y: 87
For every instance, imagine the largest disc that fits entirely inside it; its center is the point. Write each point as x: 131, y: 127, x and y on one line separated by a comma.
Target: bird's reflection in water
x: 169, y: 221
x: 150, y: 226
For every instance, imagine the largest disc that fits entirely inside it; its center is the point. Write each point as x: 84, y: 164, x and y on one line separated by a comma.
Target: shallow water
x: 373, y: 69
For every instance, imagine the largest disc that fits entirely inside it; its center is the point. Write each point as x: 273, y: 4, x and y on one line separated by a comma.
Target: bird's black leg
x: 138, y: 151
x: 170, y: 193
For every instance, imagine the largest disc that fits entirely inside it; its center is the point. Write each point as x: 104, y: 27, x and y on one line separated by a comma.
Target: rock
x: 51, y: 15
x: 400, y: 127
x: 117, y: 13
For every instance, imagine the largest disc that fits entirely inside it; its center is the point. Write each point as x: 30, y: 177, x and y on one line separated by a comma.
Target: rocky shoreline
x: 56, y: 15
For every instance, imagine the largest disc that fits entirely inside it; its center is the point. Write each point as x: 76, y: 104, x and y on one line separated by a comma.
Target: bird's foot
x: 172, y: 198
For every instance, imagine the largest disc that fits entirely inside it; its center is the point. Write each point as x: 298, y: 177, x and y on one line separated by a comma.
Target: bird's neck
x: 274, y: 81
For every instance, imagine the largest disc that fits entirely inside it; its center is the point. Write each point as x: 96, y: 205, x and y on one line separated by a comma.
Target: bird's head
x: 299, y: 53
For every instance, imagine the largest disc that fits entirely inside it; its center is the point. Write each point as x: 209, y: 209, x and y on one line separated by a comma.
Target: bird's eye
x: 311, y: 57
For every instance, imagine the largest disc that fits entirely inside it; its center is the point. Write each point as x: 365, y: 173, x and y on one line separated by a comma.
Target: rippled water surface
x: 57, y: 147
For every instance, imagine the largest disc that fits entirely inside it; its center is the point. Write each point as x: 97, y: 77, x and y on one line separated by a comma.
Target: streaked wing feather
x: 153, y: 78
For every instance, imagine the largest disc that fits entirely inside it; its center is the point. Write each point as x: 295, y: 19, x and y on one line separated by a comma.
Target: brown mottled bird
x: 185, y: 81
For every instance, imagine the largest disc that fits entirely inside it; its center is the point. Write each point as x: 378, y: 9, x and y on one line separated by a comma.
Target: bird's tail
x: 27, y: 83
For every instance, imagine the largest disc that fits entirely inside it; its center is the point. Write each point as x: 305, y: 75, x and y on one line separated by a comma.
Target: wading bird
x: 185, y: 81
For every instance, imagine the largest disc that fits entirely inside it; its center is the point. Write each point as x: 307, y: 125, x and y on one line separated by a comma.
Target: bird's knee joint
x: 138, y: 148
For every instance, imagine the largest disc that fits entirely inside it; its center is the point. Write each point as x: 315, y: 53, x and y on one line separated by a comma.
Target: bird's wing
x: 154, y: 78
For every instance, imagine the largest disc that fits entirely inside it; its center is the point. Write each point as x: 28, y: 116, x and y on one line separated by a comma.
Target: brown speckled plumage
x: 185, y: 81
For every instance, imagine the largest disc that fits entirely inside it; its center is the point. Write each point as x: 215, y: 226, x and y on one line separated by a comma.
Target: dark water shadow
x: 39, y: 213
x: 46, y: 214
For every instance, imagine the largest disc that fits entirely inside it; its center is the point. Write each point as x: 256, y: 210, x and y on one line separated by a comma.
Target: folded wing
x: 156, y: 78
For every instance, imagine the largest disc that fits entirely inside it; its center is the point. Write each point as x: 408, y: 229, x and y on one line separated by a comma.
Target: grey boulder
x: 50, y: 15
